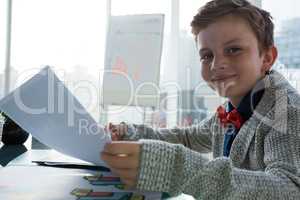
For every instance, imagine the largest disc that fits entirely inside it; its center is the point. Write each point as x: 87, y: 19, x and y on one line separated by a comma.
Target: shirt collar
x: 248, y: 102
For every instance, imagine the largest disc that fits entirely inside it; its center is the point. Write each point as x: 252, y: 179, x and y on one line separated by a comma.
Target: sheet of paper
x: 45, y: 108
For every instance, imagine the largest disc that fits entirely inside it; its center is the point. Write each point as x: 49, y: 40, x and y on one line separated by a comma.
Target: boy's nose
x: 218, y: 63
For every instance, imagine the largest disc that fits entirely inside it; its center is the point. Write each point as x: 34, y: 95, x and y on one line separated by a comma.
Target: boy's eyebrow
x: 203, y: 50
x: 232, y: 41
x: 226, y: 43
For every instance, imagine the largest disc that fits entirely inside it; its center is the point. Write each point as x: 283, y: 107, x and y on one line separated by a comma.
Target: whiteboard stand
x: 152, y: 109
x: 103, y: 114
x: 132, y: 61
x: 144, y: 115
x: 104, y: 119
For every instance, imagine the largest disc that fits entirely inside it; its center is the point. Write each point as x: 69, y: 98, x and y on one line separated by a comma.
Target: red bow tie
x: 232, y: 117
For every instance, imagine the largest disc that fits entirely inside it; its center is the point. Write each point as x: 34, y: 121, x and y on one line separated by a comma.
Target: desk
x: 52, y: 182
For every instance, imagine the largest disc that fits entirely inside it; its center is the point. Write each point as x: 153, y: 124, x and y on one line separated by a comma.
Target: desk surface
x: 18, y: 172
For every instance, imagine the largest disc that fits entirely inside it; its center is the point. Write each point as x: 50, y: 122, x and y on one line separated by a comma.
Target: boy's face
x: 230, y: 57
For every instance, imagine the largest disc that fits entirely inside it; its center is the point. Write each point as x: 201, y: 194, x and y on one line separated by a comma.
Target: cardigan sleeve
x: 175, y: 169
x: 197, y: 137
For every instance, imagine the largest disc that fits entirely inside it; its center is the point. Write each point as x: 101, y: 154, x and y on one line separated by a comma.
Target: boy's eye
x: 206, y: 57
x: 232, y: 50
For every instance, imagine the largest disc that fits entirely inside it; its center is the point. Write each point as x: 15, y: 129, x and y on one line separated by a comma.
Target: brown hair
x: 259, y: 19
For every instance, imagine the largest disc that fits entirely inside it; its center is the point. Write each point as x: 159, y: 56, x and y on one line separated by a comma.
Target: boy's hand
x: 117, y: 131
x: 123, y: 160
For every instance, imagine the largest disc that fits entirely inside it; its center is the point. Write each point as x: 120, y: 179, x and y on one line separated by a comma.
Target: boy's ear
x: 270, y: 56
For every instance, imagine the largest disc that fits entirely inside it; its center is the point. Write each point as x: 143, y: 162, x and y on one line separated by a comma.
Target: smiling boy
x: 254, y: 136
x: 232, y: 59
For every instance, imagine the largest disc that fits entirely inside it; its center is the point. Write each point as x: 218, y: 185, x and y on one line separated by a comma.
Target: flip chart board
x: 132, y: 60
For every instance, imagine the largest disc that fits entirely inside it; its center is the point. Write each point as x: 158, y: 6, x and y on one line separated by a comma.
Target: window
x: 3, y: 17
x: 180, y: 66
x: 287, y: 37
x: 68, y: 35
x: 197, y: 100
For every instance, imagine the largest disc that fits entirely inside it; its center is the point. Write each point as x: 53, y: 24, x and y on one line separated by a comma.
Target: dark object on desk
x: 12, y: 133
x: 10, y: 152
x: 72, y: 165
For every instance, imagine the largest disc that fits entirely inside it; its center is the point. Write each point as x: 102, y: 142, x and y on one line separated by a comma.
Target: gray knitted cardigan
x: 264, y: 161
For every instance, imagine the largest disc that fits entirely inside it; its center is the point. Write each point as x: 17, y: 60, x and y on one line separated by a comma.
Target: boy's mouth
x: 222, y: 78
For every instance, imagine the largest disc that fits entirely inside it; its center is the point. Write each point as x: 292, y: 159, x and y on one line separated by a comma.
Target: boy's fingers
x: 117, y: 162
x: 122, y: 127
x: 129, y: 184
x: 108, y: 126
x: 122, y: 147
x: 114, y: 137
x: 125, y: 173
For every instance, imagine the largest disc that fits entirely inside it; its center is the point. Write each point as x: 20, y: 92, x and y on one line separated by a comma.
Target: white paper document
x: 45, y: 108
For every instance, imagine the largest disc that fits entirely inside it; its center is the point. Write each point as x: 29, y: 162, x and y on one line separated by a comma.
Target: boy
x: 255, y: 140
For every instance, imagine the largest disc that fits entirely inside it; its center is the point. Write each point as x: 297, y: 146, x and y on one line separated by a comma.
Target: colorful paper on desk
x: 44, y: 107
x: 24, y: 182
